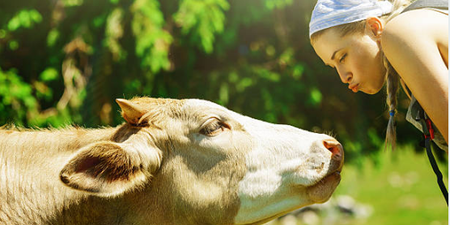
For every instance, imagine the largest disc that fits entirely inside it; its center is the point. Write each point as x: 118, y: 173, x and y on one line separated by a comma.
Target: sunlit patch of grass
x: 402, y: 189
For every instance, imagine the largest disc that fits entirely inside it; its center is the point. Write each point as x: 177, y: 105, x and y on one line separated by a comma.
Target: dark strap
x: 420, y: 4
x: 436, y: 169
x: 429, y: 135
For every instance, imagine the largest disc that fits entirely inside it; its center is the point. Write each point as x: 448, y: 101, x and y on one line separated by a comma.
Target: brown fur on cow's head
x: 111, y: 168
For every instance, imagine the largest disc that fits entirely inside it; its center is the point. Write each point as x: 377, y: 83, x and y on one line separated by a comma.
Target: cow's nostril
x: 334, y: 146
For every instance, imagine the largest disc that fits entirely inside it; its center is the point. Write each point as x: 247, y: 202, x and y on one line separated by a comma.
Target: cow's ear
x: 131, y: 112
x: 109, y: 169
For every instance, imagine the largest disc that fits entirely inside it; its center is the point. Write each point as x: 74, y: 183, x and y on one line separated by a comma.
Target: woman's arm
x: 416, y: 45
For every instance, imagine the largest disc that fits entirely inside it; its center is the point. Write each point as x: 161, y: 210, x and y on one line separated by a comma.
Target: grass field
x: 401, y: 189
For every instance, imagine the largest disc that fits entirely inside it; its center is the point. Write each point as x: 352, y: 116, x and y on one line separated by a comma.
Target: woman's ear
x: 374, y: 26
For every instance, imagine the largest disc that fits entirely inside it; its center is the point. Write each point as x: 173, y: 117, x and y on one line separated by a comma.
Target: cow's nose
x: 335, y: 148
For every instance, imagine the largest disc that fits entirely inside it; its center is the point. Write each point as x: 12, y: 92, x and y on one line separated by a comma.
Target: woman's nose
x: 346, y: 77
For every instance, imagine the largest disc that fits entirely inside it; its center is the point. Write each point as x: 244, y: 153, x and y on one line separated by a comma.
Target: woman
x: 372, y: 42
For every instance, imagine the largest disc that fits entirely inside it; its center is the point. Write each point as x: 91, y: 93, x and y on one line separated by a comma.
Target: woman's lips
x: 354, y: 87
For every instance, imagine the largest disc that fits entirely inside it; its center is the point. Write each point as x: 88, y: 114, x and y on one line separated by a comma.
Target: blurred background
x: 63, y: 62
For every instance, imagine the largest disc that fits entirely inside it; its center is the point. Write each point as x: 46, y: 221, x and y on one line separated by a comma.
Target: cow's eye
x: 213, y: 127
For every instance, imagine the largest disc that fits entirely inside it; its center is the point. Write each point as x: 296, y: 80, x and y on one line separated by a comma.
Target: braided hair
x: 392, y: 86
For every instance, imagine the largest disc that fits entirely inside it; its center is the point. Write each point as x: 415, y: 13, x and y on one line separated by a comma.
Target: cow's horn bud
x: 131, y: 112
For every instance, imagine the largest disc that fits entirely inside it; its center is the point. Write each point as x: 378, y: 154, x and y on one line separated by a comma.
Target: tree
x: 65, y: 61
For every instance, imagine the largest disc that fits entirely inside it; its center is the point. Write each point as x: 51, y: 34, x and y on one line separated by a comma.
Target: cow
x: 172, y: 161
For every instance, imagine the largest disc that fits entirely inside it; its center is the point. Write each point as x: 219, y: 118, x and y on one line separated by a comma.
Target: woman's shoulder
x: 416, y: 26
x: 420, y: 21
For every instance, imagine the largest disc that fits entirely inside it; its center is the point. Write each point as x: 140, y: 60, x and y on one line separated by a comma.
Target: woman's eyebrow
x: 334, y: 54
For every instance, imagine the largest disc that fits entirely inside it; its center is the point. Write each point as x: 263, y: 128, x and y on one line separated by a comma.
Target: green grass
x: 401, y: 190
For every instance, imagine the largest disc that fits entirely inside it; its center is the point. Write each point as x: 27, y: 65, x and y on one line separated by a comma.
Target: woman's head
x: 346, y: 35
x: 355, y: 27
x: 356, y: 56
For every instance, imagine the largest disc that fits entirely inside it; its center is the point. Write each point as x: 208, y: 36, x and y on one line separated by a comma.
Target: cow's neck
x: 30, y: 188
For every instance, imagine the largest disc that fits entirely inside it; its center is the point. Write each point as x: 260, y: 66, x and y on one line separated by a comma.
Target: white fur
x: 283, y: 162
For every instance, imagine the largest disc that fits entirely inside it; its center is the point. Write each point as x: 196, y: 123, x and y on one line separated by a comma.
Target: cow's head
x: 207, y: 164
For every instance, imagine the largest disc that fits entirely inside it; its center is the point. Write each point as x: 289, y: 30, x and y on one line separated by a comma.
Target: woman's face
x: 356, y: 57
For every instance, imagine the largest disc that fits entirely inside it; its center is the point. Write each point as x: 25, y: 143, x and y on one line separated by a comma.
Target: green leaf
x: 277, y: 4
x: 49, y: 74
x: 24, y: 18
x: 2, y: 33
x: 52, y: 37
x: 17, y: 95
x: 99, y: 21
x: 13, y: 45
x: 315, y: 96
x: 152, y: 41
x: 14, y: 24
x: 35, y: 16
x: 270, y: 50
x: 298, y: 71
x: 224, y: 93
x: 203, y: 19
x: 72, y: 3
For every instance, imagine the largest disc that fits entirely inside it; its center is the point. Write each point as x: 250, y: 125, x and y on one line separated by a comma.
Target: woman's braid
x: 392, y: 86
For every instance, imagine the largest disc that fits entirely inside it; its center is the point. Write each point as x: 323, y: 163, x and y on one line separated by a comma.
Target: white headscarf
x: 330, y: 13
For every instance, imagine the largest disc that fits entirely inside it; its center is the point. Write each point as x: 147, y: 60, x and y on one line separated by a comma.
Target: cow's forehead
x: 159, y: 108
x: 202, y: 109
x: 192, y: 111
x: 157, y: 103
x: 188, y: 107
x: 203, y: 104
x: 175, y: 104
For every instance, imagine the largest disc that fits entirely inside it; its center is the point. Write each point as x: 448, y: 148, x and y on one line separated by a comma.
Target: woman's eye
x: 342, y: 59
x: 213, y: 128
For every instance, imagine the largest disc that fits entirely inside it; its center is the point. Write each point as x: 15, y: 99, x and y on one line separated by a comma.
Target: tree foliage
x: 65, y: 61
